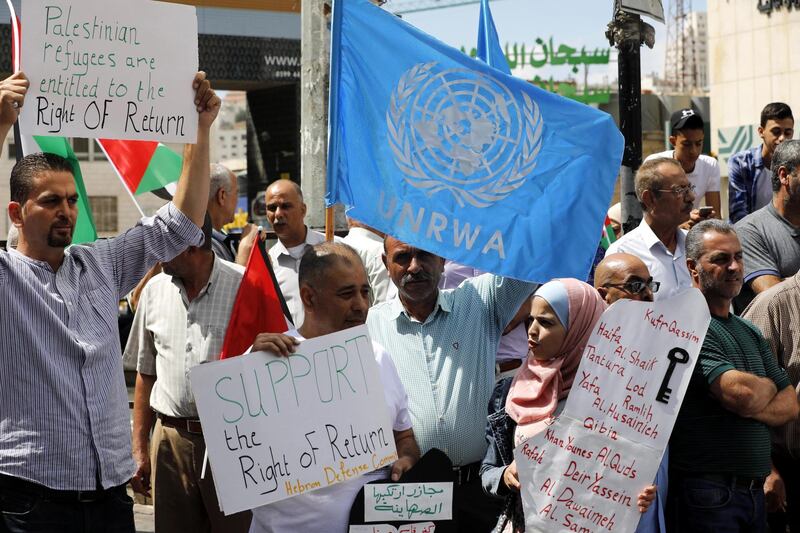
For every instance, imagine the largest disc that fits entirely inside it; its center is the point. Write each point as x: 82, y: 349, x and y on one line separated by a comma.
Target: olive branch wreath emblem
x: 408, y: 161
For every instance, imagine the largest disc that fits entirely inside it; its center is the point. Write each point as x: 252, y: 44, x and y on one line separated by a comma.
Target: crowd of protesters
x: 471, y: 363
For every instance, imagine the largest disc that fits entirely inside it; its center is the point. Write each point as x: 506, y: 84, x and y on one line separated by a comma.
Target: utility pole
x: 314, y: 69
x: 627, y: 33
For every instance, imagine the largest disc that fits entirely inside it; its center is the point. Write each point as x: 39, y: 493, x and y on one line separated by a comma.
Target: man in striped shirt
x: 719, y: 452
x: 65, y: 445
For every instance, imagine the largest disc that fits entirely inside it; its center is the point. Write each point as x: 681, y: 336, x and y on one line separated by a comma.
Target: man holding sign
x: 737, y: 390
x: 65, y: 452
x: 335, y: 292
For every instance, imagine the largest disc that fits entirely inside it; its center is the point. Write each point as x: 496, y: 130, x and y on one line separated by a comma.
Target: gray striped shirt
x: 64, y: 418
x: 171, y: 335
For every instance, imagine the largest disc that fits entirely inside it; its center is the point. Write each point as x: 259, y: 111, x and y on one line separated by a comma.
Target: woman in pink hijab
x: 563, y: 315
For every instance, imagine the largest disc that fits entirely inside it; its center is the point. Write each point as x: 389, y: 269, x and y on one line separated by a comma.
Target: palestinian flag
x: 608, y: 234
x: 143, y: 166
x: 84, y: 227
x: 259, y: 306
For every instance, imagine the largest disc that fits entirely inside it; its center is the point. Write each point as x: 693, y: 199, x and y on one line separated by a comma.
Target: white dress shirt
x: 666, y: 267
x: 286, y: 267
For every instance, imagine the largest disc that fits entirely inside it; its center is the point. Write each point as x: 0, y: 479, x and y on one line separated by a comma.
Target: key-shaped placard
x: 676, y: 356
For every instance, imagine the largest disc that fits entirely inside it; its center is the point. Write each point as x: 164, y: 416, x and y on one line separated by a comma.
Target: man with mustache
x: 771, y: 235
x: 667, y: 198
x: 65, y: 436
x: 286, y: 212
x: 720, y: 446
x: 443, y: 343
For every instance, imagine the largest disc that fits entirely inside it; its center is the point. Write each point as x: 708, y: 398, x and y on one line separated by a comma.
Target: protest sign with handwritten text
x: 585, y: 471
x: 391, y: 502
x: 417, y: 527
x: 114, y: 69
x: 276, y: 427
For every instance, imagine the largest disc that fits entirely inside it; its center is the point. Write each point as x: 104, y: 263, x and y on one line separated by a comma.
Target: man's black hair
x: 775, y: 111
x: 29, y: 168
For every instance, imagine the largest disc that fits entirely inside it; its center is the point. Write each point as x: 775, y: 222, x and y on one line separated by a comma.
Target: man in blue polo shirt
x: 443, y: 343
x: 749, y: 176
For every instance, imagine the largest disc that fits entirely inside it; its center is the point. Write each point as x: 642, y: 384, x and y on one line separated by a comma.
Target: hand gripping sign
x: 585, y: 471
x: 277, y: 427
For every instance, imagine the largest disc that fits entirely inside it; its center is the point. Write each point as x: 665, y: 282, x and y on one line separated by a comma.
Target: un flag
x: 455, y: 157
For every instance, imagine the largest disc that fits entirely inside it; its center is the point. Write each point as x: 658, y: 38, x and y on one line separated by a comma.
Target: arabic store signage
x: 547, y: 53
x: 766, y: 6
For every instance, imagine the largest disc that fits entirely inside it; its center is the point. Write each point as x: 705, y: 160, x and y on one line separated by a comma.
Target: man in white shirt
x: 667, y: 198
x: 335, y: 294
x: 181, y: 321
x: 286, y: 212
x: 686, y: 137
x: 368, y: 243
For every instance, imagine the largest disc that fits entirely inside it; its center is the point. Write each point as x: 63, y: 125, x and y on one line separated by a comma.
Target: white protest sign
x: 417, y: 527
x: 113, y: 69
x: 392, y: 502
x: 276, y: 427
x: 584, y: 472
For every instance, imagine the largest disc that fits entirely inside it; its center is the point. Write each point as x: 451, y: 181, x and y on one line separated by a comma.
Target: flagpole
x: 124, y: 186
x: 329, y: 224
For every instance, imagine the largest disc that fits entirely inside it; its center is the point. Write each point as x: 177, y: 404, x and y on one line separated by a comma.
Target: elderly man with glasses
x: 667, y: 199
x: 624, y: 276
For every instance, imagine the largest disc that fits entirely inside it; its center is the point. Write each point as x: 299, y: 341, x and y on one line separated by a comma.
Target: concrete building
x: 753, y: 61
x: 696, y: 31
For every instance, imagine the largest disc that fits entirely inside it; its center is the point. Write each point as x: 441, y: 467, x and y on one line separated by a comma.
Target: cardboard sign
x: 114, y: 69
x: 585, y: 472
x: 392, y: 502
x: 276, y: 427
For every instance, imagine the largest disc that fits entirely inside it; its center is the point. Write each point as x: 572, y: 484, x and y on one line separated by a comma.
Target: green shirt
x: 707, y: 437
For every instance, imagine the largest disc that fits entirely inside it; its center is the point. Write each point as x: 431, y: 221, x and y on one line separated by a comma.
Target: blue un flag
x: 453, y: 156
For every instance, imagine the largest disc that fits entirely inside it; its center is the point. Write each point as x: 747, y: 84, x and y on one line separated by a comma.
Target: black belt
x: 54, y: 495
x: 729, y: 480
x: 465, y: 474
x: 192, y: 425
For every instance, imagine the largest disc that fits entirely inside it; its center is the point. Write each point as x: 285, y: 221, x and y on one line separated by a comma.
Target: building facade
x: 753, y: 61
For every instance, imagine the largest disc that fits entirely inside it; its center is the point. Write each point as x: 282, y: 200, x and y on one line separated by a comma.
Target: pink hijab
x: 540, y: 385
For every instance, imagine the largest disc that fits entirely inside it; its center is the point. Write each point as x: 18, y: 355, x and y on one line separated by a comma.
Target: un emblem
x: 461, y: 131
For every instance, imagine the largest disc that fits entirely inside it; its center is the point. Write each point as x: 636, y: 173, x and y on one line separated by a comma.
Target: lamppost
x: 627, y: 32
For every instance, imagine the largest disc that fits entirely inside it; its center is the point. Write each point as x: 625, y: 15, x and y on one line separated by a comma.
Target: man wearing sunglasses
x: 624, y: 276
x: 667, y: 199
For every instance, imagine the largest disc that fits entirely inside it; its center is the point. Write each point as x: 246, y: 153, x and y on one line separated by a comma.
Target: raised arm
x: 12, y: 96
x: 743, y: 393
x: 191, y: 196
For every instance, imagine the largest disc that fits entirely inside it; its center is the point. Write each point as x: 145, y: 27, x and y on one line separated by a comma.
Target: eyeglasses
x: 683, y: 190
x: 636, y: 286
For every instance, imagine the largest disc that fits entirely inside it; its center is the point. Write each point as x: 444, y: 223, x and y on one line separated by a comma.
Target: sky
x: 576, y: 23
